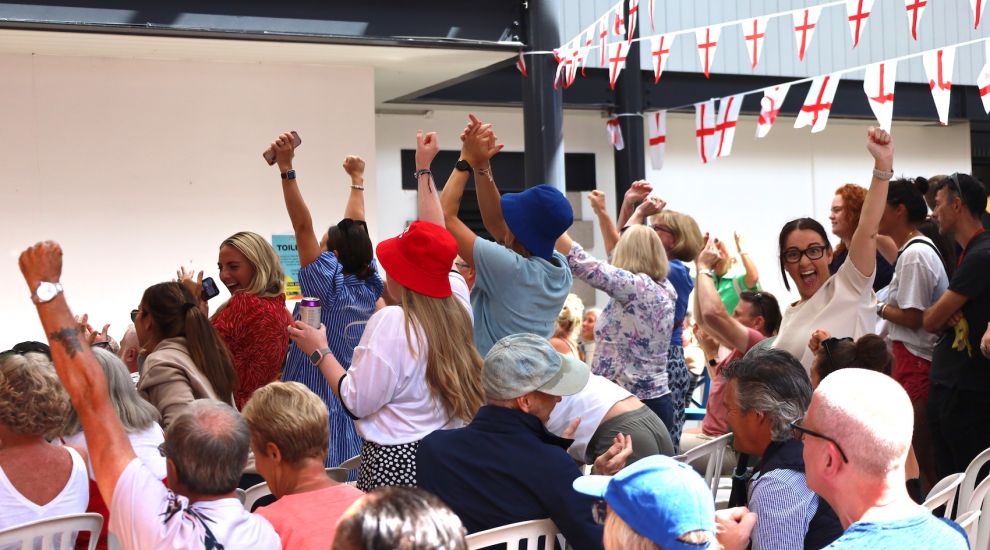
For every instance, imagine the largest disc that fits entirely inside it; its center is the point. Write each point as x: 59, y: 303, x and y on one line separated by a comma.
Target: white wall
x: 138, y: 166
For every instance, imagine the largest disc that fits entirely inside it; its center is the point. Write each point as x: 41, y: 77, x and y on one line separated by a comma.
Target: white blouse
x: 16, y: 509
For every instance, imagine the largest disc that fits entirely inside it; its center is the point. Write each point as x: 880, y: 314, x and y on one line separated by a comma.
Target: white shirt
x: 591, y: 404
x: 386, y: 384
x: 145, y: 515
x: 144, y: 442
x: 919, y: 280
x: 16, y: 509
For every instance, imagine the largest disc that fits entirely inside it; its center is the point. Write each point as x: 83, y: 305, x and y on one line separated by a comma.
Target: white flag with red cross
x: 616, y: 61
x: 754, y: 31
x: 574, y: 60
x: 977, y: 6
x: 521, y: 65
x: 633, y: 16
x: 707, y: 41
x: 770, y: 105
x: 603, y: 40
x: 818, y: 104
x: 805, y: 22
x: 660, y: 50
x: 879, y: 87
x: 658, y: 137
x: 983, y: 80
x: 615, y: 133
x: 587, y: 43
x: 938, y: 68
x: 725, y: 123
x: 915, y: 8
x: 704, y: 123
x: 560, y: 75
x: 618, y: 18
x: 857, y: 12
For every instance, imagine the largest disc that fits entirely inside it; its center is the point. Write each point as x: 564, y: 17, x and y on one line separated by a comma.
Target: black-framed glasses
x: 162, y: 449
x: 598, y: 511
x: 827, y: 345
x: 661, y: 228
x: 134, y: 314
x: 800, y: 431
x: 462, y: 265
x: 813, y: 252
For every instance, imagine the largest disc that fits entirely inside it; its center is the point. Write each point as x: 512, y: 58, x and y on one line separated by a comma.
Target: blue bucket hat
x: 660, y: 498
x: 537, y: 217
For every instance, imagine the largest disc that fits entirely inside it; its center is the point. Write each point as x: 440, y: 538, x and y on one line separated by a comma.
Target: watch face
x: 463, y: 166
x: 46, y: 291
x: 315, y: 357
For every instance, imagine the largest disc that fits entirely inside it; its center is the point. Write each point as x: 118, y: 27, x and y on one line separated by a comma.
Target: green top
x: 729, y: 288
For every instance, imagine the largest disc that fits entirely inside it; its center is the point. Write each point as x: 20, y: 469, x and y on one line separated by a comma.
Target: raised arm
x: 307, y: 245
x: 610, y: 234
x: 647, y: 208
x: 450, y: 201
x: 354, y: 166
x: 863, y: 246
x: 636, y: 193
x: 428, y: 197
x: 752, y: 275
x: 81, y: 375
x: 711, y: 311
x: 478, y: 147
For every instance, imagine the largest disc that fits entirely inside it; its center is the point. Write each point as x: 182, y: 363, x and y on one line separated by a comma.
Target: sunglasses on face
x: 800, y: 432
x: 813, y: 252
x: 134, y: 314
x: 598, y: 511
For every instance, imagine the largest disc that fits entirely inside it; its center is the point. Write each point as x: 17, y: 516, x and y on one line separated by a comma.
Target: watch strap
x: 290, y: 175
x: 54, y: 288
x: 318, y: 355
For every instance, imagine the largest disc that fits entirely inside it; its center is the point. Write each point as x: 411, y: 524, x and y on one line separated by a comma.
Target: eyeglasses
x: 800, y: 431
x: 105, y: 345
x: 134, y: 314
x: 462, y: 265
x: 598, y: 511
x: 827, y: 346
x: 813, y: 252
x: 663, y: 229
x: 162, y: 449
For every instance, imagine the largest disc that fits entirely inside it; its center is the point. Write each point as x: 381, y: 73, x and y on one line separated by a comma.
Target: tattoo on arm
x: 69, y: 338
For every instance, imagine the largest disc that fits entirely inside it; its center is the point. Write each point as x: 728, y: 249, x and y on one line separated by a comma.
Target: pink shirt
x: 714, y: 422
x: 308, y: 521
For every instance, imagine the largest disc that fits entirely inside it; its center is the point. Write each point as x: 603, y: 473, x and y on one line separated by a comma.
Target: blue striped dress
x: 346, y: 304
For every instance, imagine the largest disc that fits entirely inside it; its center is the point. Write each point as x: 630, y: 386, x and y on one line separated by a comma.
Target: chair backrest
x: 63, y: 527
x: 240, y: 494
x: 338, y: 474
x: 972, y: 471
x: 352, y: 463
x: 253, y: 493
x: 979, y: 501
x: 970, y: 521
x: 714, y: 450
x: 511, y: 535
x: 944, y: 493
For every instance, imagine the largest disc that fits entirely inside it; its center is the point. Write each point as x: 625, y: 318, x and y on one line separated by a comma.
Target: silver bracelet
x: 422, y: 172
x: 487, y: 172
x: 881, y: 175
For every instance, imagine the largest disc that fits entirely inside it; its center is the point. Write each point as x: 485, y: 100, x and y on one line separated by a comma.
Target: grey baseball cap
x: 522, y: 363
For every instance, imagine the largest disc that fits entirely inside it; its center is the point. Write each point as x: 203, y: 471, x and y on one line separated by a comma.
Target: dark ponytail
x: 350, y: 239
x: 869, y: 352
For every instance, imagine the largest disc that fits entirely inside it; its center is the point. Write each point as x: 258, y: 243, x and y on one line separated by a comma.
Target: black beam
x: 630, y: 162
x: 543, y: 111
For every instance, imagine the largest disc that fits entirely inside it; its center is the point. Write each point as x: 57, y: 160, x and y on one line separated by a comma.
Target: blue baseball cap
x: 660, y: 498
x: 537, y: 217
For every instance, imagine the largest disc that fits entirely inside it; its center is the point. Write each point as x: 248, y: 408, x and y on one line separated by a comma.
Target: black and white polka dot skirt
x: 387, y: 465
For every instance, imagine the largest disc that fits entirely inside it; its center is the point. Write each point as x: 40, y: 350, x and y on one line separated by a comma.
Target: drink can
x: 309, y: 311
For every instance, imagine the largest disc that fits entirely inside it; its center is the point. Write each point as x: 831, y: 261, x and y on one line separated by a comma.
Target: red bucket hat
x: 420, y: 258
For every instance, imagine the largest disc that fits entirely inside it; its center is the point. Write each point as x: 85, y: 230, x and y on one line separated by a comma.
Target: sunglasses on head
x: 828, y: 343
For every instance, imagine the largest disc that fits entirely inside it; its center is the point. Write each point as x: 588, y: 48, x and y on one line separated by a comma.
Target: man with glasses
x: 856, y: 435
x: 960, y: 372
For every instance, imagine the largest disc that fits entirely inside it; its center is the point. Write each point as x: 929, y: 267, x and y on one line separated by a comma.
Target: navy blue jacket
x: 505, y: 467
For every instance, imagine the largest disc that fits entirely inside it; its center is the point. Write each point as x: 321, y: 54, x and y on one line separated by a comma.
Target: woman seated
x: 289, y: 432
x: 400, y: 517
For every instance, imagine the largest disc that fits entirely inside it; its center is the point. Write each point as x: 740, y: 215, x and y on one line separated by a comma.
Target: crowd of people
x: 477, y: 390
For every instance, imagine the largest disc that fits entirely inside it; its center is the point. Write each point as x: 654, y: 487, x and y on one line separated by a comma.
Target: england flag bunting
x: 603, y: 41
x: 576, y: 58
x: 754, y: 31
x: 633, y: 15
x: 616, y: 61
x: 805, y: 22
x: 857, y: 12
x: 707, y: 41
x: 660, y: 50
x: 587, y: 44
x: 704, y: 123
x: 560, y: 75
x: 521, y: 65
x: 725, y: 123
x: 658, y: 137
x: 977, y: 6
x: 769, y: 107
x: 915, y: 8
x: 615, y: 133
x: 938, y: 68
x: 879, y: 87
x: 983, y: 80
x: 618, y: 21
x: 818, y: 104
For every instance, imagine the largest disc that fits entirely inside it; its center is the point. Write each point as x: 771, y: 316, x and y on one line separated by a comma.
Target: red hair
x: 853, y: 197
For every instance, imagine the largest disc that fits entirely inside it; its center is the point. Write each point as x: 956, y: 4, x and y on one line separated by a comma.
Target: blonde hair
x: 453, y: 366
x: 570, y: 316
x: 292, y: 417
x: 32, y: 400
x: 619, y: 535
x: 639, y: 250
x: 686, y: 232
x: 269, y: 278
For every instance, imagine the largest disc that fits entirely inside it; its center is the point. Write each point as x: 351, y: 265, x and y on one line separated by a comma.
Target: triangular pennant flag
x: 704, y: 123
x: 615, y: 133
x: 619, y: 20
x: 915, y: 8
x: 660, y: 50
x: 977, y: 6
x: 653, y: 25
x: 707, y: 40
x: 603, y: 40
x: 818, y: 104
x: 804, y: 26
x: 770, y: 105
x: 658, y: 137
x: 574, y: 57
x: 983, y: 80
x: 857, y: 11
x: 633, y: 15
x: 879, y: 87
x: 616, y: 61
x: 754, y: 31
x: 938, y: 68
x: 561, y: 74
x: 725, y: 125
x: 587, y: 44
x: 521, y: 65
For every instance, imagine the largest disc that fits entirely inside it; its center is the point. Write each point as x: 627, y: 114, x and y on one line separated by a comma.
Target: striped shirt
x: 784, y: 507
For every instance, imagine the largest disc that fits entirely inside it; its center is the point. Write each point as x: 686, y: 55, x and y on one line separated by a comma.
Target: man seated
x: 206, y: 448
x: 856, y: 438
x: 505, y: 467
x: 764, y: 394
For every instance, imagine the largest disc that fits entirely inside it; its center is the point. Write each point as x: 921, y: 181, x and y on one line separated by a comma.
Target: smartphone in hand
x: 210, y: 289
x: 269, y: 154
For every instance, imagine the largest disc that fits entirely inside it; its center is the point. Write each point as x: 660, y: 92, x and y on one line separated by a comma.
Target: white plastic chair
x: 240, y: 494
x: 715, y: 451
x: 968, y: 484
x: 970, y: 522
x: 511, y: 535
x: 979, y: 501
x: 944, y: 493
x: 255, y: 492
x: 352, y: 463
x: 338, y: 474
x: 65, y: 527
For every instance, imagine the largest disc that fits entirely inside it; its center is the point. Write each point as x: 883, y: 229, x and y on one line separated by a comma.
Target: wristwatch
x: 317, y: 355
x: 290, y: 175
x: 46, y: 292
x: 463, y: 166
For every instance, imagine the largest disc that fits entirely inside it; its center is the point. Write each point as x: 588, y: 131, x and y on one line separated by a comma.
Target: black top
x: 885, y: 270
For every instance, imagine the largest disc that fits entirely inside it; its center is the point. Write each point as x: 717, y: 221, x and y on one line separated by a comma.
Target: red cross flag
x: 616, y: 61
x: 914, y: 8
x: 977, y: 6
x: 617, y: 15
x: 754, y: 31
x: 704, y: 122
x: 857, y: 11
x: 560, y: 75
x: 633, y: 13
x: 658, y: 137
x: 587, y: 44
x: 521, y: 65
x: 818, y: 104
x: 983, y: 80
x: 615, y: 133
x: 879, y: 87
x: 773, y: 98
x: 660, y: 50
x: 938, y: 68
x: 707, y: 40
x: 725, y: 125
x: 804, y: 26
x: 603, y: 40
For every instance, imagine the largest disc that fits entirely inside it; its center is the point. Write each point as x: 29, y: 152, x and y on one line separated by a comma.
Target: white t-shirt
x: 386, y: 384
x: 591, y: 404
x: 145, y: 515
x: 144, y: 442
x: 844, y: 306
x: 919, y: 280
x: 15, y: 509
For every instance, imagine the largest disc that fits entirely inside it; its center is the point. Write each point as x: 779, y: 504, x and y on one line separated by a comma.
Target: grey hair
x: 774, y: 383
x: 209, y: 444
x: 135, y: 413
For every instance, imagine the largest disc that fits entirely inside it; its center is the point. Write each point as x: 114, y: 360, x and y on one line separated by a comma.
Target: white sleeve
x: 916, y: 280
x: 460, y: 289
x: 139, y: 500
x: 371, y: 381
